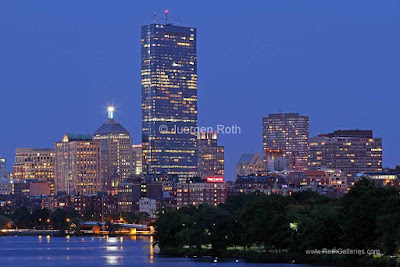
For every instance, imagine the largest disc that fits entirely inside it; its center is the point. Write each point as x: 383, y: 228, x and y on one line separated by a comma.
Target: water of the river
x: 93, y: 251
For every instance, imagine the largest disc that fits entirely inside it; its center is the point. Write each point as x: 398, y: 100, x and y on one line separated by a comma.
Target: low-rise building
x: 212, y: 193
x: 6, y: 186
x: 250, y: 184
x: 308, y: 178
x: 148, y: 206
x: 40, y: 188
x: 128, y: 196
x: 250, y: 164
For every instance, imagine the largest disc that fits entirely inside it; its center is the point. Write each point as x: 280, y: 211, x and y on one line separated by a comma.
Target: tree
x: 213, y: 225
x: 266, y: 222
x: 388, y: 224
x: 91, y: 215
x: 22, y: 218
x: 320, y: 228
x: 40, y: 217
x: 4, y: 222
x: 361, y: 207
x: 168, y: 225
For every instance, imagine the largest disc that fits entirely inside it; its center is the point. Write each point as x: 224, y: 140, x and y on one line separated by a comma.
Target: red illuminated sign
x: 215, y: 179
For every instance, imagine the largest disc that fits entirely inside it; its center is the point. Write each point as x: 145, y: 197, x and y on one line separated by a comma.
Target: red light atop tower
x: 166, y: 11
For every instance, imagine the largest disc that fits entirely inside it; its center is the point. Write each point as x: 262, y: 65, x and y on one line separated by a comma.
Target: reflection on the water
x: 151, y: 249
x: 34, y: 251
x: 112, y: 248
x: 114, y: 260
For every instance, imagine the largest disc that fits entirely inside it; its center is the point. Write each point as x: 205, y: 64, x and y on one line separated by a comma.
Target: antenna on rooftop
x: 110, y: 110
x: 155, y: 18
x: 166, y: 16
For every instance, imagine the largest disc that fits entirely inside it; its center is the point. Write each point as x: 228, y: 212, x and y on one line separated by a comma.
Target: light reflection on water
x: 89, y: 251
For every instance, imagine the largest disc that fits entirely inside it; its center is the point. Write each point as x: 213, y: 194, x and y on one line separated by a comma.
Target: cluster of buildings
x: 329, y: 163
x: 104, y: 171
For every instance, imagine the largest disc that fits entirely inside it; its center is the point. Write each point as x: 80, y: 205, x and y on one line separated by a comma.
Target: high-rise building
x: 351, y: 151
x: 3, y: 174
x: 169, y: 99
x: 77, y: 165
x: 287, y: 132
x: 35, y: 164
x: 137, y: 158
x: 116, y: 152
x: 210, y: 155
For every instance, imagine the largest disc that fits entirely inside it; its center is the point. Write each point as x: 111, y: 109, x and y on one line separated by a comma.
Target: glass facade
x: 169, y: 99
x: 2, y: 168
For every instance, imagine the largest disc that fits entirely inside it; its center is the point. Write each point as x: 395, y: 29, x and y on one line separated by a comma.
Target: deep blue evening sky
x: 62, y: 62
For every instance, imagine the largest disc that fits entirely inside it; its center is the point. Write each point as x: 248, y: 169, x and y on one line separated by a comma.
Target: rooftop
x: 111, y: 126
x: 246, y: 157
x: 78, y: 137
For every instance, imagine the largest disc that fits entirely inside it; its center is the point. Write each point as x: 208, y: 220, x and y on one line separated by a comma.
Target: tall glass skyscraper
x: 2, y: 168
x: 169, y: 99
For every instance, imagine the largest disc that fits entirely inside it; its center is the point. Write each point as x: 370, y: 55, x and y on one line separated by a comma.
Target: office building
x: 210, y: 155
x: 169, y: 99
x: 287, y: 132
x: 35, y: 164
x: 351, y: 151
x: 77, y: 165
x: 3, y: 173
x: 116, y: 152
x: 137, y: 158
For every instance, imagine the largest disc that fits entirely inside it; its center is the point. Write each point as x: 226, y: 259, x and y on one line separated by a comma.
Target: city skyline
x: 366, y: 115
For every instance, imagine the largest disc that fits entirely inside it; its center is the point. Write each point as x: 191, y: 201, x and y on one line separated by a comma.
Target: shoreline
x: 57, y: 233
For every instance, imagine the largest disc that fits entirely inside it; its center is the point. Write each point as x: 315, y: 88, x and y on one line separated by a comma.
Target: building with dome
x: 116, y: 152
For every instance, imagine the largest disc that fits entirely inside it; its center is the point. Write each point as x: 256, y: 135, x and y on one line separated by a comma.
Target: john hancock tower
x: 169, y: 99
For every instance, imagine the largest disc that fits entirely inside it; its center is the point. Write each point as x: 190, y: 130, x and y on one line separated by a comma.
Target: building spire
x: 110, y: 110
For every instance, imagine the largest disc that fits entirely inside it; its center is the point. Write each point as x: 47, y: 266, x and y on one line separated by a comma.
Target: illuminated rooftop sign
x: 215, y: 179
